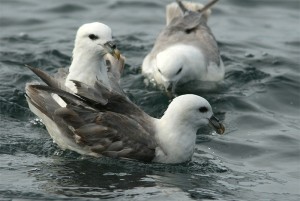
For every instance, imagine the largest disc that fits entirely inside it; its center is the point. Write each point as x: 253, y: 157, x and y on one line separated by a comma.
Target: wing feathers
x: 98, y: 120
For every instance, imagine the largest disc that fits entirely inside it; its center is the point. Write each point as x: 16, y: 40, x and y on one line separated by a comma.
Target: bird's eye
x: 159, y: 70
x: 203, y: 109
x: 93, y: 37
x: 179, y: 71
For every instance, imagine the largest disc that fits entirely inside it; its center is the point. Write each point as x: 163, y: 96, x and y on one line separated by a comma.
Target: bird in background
x: 185, y: 50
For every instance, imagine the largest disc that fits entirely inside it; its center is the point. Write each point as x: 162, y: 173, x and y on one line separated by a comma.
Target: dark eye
x: 203, y: 109
x: 93, y: 37
x: 179, y: 71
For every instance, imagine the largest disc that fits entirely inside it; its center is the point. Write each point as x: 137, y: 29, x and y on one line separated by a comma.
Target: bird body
x: 117, y: 127
x: 190, y: 44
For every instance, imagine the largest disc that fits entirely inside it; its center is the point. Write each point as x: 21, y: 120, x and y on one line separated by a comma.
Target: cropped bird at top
x: 186, y: 49
x: 98, y: 119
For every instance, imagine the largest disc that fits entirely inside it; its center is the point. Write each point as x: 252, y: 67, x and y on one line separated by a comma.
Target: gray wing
x: 115, y: 127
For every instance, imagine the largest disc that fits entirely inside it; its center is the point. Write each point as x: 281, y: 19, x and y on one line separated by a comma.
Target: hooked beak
x: 216, y: 125
x: 169, y: 85
x: 112, y: 49
x: 169, y: 88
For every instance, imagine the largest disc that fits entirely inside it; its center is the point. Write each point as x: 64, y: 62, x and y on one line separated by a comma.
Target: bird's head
x: 193, y: 111
x: 95, y: 39
x: 177, y: 65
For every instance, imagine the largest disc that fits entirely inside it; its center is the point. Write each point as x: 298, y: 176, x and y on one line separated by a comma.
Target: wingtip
x: 76, y: 83
x: 181, y: 6
x: 28, y: 66
x: 33, y: 69
x: 208, y: 5
x: 39, y: 87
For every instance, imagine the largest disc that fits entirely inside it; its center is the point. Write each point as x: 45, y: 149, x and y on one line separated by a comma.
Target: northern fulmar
x: 98, y: 119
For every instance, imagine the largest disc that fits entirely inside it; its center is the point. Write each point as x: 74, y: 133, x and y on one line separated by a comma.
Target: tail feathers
x: 174, y: 9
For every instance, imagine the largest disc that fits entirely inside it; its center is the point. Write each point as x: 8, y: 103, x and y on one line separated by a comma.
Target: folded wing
x: 98, y: 120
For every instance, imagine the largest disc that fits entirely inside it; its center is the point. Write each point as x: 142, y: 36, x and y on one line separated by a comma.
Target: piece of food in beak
x: 216, y: 125
x: 112, y: 49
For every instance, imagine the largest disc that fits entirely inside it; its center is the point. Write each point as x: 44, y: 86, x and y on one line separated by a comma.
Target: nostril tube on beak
x: 112, y: 49
x: 111, y: 45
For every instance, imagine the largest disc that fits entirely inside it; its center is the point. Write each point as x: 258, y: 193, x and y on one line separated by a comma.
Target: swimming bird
x: 93, y: 41
x: 186, y: 49
x: 102, y: 121
x: 93, y: 54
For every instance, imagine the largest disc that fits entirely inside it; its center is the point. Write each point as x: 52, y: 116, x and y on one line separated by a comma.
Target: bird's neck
x: 176, y: 138
x: 87, y: 68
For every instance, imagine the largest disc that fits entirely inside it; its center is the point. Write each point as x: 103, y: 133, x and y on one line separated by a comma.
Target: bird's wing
x: 100, y: 120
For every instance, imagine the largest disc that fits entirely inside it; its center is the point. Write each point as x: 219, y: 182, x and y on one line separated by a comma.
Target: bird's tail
x: 176, y: 9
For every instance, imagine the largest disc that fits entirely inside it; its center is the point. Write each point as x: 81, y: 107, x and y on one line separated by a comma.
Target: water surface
x: 259, y: 101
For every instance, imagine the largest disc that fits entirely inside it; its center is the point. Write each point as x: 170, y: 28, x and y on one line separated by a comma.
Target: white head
x: 94, y: 39
x: 176, y: 130
x: 178, y: 64
x: 192, y: 111
x: 92, y: 43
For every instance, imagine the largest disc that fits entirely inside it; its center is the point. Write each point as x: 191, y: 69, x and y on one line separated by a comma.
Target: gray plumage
x: 191, y: 29
x: 186, y: 49
x: 89, y: 121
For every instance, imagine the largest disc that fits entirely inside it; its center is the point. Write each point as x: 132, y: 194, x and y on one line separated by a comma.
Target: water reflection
x: 111, y: 178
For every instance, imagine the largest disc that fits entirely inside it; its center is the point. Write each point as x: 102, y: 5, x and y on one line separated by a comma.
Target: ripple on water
x: 257, y: 158
x: 67, y: 8
x: 133, y: 4
x: 7, y: 22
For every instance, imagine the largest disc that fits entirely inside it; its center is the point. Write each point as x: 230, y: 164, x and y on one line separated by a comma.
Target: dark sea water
x: 258, y: 158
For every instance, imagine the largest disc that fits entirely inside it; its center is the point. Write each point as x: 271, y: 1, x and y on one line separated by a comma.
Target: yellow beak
x: 112, y: 49
x: 216, y: 125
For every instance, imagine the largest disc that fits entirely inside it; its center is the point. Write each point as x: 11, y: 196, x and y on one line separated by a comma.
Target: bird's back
x: 96, y: 121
